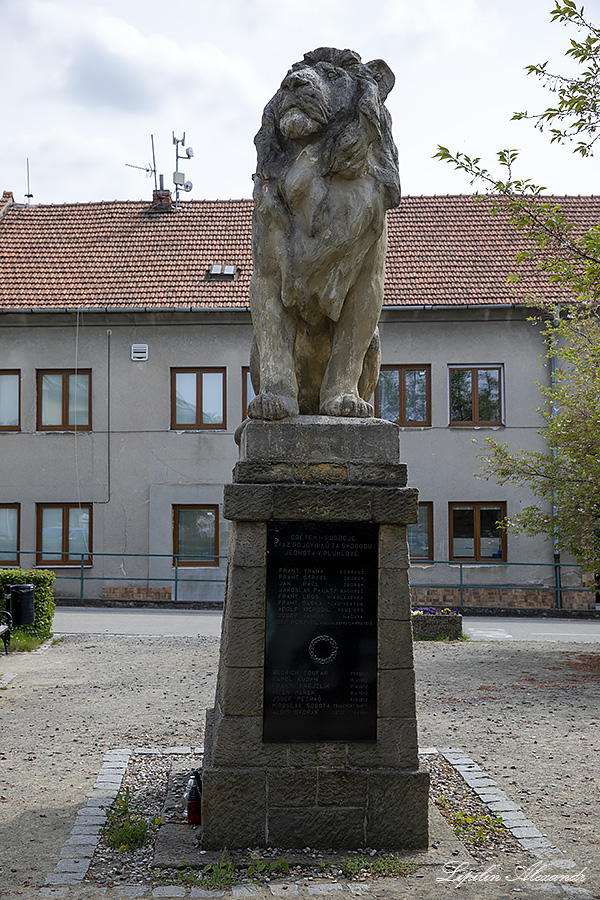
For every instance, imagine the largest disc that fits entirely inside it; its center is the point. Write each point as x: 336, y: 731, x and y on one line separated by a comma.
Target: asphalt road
x: 94, y: 620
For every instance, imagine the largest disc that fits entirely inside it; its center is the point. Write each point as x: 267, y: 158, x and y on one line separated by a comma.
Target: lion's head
x: 334, y: 99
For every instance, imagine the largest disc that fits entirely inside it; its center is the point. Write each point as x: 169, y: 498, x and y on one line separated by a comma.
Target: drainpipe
x: 557, y: 577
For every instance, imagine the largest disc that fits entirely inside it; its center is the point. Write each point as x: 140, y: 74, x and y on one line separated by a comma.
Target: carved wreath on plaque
x: 323, y: 649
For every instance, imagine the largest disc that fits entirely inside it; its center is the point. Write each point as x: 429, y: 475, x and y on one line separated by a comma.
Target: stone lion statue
x: 327, y: 172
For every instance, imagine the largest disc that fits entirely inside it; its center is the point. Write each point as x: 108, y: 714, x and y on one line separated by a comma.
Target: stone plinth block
x: 395, y: 646
x: 397, y: 814
x: 321, y: 439
x: 320, y: 503
x: 372, y: 473
x: 222, y: 791
x: 242, y: 642
x: 245, y: 594
x: 249, y: 540
x: 396, y: 746
x: 289, y: 587
x: 394, y: 594
x: 239, y: 691
x: 320, y: 826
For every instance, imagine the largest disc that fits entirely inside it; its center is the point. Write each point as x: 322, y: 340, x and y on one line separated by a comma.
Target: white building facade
x: 124, y: 344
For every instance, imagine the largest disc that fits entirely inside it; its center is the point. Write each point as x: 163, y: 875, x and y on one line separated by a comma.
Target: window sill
x: 477, y: 562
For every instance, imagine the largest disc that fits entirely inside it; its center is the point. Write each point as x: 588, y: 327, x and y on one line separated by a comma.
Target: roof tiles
x: 125, y: 254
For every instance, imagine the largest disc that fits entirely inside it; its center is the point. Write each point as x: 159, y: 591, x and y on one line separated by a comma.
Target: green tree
x: 565, y: 478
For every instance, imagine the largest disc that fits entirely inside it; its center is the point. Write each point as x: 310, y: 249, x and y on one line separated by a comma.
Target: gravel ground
x: 145, y: 784
x: 526, y: 713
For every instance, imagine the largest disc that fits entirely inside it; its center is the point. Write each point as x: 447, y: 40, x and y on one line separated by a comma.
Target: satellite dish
x: 189, y: 152
x: 188, y: 186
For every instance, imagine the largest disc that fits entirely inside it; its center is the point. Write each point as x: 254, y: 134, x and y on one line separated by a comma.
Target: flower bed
x: 432, y: 624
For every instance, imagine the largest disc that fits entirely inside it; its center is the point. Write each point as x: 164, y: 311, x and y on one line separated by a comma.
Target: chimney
x: 161, y: 198
x: 6, y: 201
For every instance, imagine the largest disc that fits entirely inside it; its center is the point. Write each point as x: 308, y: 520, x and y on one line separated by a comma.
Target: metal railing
x: 82, y: 564
x: 558, y: 588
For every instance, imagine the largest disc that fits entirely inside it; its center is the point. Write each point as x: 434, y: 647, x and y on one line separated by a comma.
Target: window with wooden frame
x: 10, y: 533
x: 195, y: 535
x: 10, y: 400
x: 64, y: 399
x: 476, y: 395
x: 64, y: 534
x: 403, y: 395
x: 198, y: 398
x: 475, y: 531
x: 247, y: 391
x: 420, y: 534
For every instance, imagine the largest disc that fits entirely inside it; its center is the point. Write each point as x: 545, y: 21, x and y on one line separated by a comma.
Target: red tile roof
x: 124, y: 255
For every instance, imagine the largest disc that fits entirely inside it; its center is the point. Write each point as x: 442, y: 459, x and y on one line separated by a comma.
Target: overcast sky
x: 85, y: 84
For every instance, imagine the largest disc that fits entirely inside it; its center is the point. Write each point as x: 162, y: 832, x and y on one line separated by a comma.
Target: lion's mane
x: 340, y: 149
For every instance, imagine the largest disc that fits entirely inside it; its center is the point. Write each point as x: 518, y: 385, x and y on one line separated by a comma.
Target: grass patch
x: 268, y: 867
x: 24, y: 642
x: 220, y: 874
x: 124, y: 829
x: 476, y: 829
x: 391, y: 864
x: 215, y: 876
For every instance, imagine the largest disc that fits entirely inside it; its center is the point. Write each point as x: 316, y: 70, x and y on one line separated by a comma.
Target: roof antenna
x: 149, y: 168
x: 179, y: 177
x: 153, y: 162
x: 28, y: 195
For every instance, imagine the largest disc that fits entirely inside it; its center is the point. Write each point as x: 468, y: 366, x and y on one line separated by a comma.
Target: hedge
x: 43, y: 597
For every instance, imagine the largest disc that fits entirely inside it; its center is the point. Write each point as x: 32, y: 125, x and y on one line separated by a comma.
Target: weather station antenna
x: 28, y: 195
x: 149, y: 168
x: 179, y: 177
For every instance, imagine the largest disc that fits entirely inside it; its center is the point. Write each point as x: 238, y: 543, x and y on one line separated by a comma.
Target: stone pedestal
x: 338, y: 794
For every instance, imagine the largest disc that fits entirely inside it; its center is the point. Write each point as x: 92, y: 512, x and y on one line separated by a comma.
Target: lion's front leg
x: 351, y: 338
x: 275, y: 330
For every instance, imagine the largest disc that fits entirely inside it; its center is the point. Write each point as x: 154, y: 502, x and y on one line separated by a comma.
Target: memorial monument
x: 313, y: 738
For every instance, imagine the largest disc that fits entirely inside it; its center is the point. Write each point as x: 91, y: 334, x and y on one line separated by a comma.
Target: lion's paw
x: 271, y: 407
x: 347, y: 405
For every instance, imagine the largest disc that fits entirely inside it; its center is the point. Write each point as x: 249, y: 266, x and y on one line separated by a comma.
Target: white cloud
x: 86, y: 83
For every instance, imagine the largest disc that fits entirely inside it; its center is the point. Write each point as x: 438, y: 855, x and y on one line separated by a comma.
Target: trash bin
x: 21, y: 604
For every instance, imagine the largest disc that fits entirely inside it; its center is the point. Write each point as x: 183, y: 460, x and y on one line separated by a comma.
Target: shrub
x: 43, y: 597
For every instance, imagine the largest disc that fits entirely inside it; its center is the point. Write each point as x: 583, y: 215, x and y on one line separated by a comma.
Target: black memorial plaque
x: 321, y: 632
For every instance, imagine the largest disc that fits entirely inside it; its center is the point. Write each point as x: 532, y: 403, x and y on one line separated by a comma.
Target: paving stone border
x: 497, y: 802
x: 77, y: 853
x: 6, y: 679
x: 47, y: 644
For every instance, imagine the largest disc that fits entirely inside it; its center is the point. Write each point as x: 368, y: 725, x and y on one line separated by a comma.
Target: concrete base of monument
x: 181, y: 845
x: 313, y: 738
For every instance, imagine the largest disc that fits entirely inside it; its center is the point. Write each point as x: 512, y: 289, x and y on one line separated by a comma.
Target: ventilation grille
x: 139, y: 351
